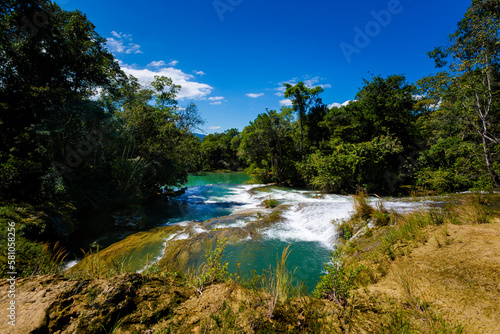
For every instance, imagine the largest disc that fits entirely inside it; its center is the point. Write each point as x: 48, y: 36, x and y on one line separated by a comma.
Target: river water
x: 308, y: 223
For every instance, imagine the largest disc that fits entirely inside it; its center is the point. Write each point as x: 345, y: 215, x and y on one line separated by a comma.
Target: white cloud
x: 119, y: 45
x: 286, y: 102
x: 310, y: 83
x: 214, y: 127
x: 254, y: 96
x: 338, y: 105
x: 190, y: 89
x: 216, y: 98
x: 200, y: 73
x: 313, y: 83
x: 156, y: 63
x: 281, y: 88
x: 161, y: 63
x: 122, y: 35
x: 216, y: 103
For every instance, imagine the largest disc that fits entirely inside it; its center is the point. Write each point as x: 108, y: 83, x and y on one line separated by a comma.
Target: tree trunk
x: 301, y: 136
x: 487, y: 158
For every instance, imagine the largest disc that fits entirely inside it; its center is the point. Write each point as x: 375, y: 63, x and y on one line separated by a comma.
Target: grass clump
x: 380, y: 215
x: 362, y: 209
x: 278, y: 282
x: 92, y: 265
x: 364, y: 214
x: 473, y: 210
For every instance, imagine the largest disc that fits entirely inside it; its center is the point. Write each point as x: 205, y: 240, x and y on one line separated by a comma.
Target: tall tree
x: 156, y: 156
x: 220, y: 150
x: 268, y: 147
x: 303, y: 99
x: 473, y: 60
x: 51, y: 63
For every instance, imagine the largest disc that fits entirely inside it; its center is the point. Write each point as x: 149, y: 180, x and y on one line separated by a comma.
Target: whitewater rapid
x: 307, y: 215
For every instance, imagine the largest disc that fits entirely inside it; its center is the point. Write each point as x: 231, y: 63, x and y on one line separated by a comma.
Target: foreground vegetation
x: 391, y: 273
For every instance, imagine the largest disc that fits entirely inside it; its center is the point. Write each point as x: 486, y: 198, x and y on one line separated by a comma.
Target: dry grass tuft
x: 473, y: 210
x: 361, y: 207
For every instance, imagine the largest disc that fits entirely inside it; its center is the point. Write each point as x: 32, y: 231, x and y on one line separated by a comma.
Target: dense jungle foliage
x: 74, y: 127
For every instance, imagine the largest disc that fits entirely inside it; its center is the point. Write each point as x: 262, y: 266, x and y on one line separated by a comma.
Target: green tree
x: 313, y: 124
x: 268, y: 147
x: 303, y: 99
x: 472, y: 59
x: 220, y: 150
x: 155, y: 153
x: 452, y: 158
x: 386, y: 107
x: 49, y: 74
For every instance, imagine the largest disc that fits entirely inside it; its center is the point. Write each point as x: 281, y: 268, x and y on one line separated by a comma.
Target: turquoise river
x: 308, y: 224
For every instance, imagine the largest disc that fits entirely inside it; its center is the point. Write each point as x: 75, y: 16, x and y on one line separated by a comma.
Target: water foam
x: 309, y: 219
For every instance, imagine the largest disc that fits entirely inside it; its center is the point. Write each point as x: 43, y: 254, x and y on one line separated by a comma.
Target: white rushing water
x: 308, y: 216
x: 309, y: 220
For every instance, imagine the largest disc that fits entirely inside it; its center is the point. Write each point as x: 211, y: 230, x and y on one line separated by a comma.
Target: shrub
x: 271, y: 203
x: 346, y: 230
x: 213, y: 270
x: 337, y: 284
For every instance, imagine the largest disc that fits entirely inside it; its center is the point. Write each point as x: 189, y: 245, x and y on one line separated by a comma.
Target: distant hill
x: 199, y: 135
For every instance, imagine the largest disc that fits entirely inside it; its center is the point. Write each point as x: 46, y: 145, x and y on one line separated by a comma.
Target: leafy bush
x: 271, y: 203
x: 343, y: 165
x: 213, y: 270
x: 337, y: 284
x: 381, y: 218
x: 346, y: 230
x: 32, y: 257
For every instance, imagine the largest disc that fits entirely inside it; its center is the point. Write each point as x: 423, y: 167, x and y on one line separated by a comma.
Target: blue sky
x: 233, y: 56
